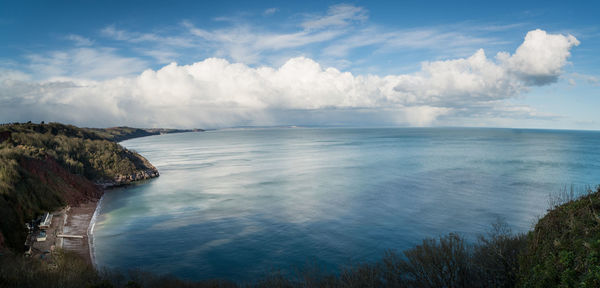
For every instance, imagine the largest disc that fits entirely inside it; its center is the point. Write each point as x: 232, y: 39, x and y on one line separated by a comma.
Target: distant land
x: 123, y: 133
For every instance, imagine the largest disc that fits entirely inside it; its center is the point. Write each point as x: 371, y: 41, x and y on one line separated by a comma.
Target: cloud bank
x: 216, y: 93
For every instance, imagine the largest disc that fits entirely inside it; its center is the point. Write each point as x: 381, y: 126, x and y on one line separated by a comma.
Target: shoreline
x: 90, y: 231
x: 69, y: 232
x: 77, y: 222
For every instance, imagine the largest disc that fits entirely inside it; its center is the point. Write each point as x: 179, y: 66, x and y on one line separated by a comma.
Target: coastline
x: 80, y: 220
x: 77, y: 222
x: 90, y: 231
x: 69, y: 231
x: 70, y: 190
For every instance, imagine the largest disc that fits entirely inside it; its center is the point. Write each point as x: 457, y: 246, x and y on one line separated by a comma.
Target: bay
x: 239, y: 203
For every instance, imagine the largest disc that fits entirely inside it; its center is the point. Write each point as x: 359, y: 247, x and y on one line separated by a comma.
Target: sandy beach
x: 69, y: 231
x: 77, y: 223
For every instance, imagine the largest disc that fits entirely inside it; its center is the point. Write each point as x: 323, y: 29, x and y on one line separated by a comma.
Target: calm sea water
x: 239, y: 203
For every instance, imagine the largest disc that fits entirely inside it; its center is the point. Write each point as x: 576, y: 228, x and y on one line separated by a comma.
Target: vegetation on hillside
x: 45, y: 166
x: 123, y: 133
x: 81, y: 151
x: 564, y: 248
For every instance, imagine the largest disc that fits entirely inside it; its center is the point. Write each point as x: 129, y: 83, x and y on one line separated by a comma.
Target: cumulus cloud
x: 218, y: 93
x: 540, y: 58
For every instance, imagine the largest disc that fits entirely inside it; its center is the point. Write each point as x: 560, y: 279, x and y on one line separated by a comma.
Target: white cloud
x: 388, y: 41
x: 589, y: 79
x: 217, y: 93
x: 161, y: 56
x: 330, y: 37
x: 13, y: 75
x: 270, y: 11
x: 134, y: 37
x: 112, y: 32
x: 541, y: 57
x: 79, y: 40
x: 337, y: 16
x: 85, y: 63
x: 246, y: 44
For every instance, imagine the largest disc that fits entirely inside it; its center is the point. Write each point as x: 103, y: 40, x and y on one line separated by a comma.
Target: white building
x: 46, y: 221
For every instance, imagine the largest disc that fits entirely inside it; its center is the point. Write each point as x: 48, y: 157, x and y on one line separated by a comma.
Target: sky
x: 216, y: 64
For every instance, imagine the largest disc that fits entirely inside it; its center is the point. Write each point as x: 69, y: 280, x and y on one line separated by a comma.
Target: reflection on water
x: 238, y: 203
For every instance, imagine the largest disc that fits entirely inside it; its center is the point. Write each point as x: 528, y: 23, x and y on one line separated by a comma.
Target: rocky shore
x: 121, y: 180
x: 139, y: 175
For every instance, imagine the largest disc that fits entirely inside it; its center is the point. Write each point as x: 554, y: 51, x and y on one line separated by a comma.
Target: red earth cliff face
x: 75, y: 188
x: 46, y: 177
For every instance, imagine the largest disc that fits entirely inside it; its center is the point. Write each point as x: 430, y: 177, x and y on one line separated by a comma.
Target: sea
x: 240, y: 204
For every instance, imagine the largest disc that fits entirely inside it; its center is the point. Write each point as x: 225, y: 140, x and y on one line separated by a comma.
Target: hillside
x: 45, y: 166
x: 564, y: 248
x: 123, y: 133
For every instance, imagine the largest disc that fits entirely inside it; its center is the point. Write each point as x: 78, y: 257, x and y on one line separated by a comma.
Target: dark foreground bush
x: 451, y: 262
x: 496, y: 257
x: 447, y: 261
x: 68, y: 270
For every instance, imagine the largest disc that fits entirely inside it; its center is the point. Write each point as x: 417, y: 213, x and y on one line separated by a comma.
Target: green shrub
x: 563, y: 249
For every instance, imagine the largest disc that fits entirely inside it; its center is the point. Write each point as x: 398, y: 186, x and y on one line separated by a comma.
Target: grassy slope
x: 45, y: 166
x: 564, y: 248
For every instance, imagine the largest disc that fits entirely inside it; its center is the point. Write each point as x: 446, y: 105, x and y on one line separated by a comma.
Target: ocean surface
x: 239, y: 203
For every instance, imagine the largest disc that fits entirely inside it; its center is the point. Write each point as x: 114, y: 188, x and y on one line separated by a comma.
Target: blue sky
x: 396, y: 63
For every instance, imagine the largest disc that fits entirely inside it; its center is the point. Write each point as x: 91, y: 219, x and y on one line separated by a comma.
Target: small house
x: 46, y: 221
